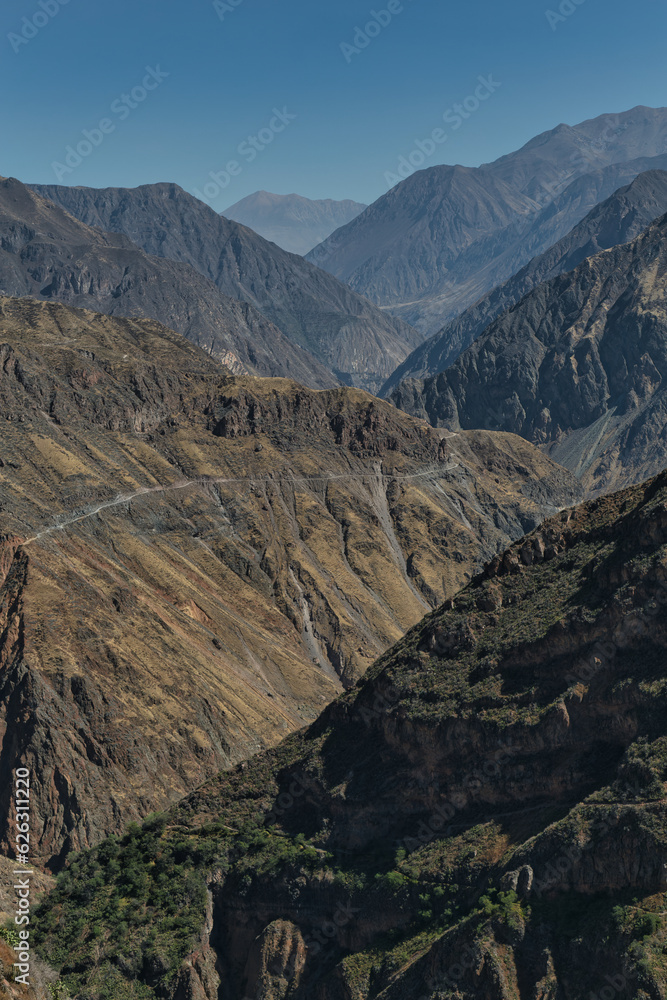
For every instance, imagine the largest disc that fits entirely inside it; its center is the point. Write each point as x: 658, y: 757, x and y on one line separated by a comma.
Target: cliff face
x: 577, y: 368
x: 360, y: 343
x: 484, y: 815
x: 194, y: 565
x: 47, y: 254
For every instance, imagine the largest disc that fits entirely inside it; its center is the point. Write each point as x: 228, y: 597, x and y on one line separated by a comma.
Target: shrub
x: 58, y: 990
x: 646, y: 925
x: 10, y: 935
x: 392, y: 882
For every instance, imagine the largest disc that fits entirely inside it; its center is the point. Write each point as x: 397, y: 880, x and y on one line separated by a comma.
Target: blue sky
x: 346, y: 116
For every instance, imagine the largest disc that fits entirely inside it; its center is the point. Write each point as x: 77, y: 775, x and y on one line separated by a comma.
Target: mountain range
x: 577, y: 367
x: 442, y: 238
x: 295, y: 223
x: 618, y: 219
x: 358, y: 343
x: 325, y: 696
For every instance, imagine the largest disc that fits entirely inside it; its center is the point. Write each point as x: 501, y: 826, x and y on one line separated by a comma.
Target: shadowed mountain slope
x: 484, y: 816
x: 577, y: 367
x: 348, y: 334
x: 47, y: 254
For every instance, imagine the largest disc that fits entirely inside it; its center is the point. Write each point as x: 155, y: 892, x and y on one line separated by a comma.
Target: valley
x: 412, y: 840
x: 333, y: 524
x: 194, y: 564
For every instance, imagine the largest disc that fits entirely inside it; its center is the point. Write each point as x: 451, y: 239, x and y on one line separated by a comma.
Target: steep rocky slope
x: 193, y: 564
x: 348, y: 334
x: 406, y: 244
x: 47, y: 254
x: 577, y: 367
x: 295, y: 223
x: 484, y: 816
x: 617, y: 220
x: 442, y: 238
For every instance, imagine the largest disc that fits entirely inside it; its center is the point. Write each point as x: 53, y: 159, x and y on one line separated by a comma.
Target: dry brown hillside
x: 194, y: 565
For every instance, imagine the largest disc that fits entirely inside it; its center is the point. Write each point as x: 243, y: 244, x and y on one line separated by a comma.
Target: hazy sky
x: 350, y: 105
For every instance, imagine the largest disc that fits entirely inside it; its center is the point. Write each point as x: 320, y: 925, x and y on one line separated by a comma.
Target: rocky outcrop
x: 577, y: 368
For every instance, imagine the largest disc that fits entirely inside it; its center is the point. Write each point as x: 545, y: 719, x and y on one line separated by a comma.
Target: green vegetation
x: 436, y: 766
x: 9, y: 933
x: 504, y: 907
x: 141, y: 898
x: 58, y: 990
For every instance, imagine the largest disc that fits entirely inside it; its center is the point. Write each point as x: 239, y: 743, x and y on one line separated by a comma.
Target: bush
x: 503, y: 906
x: 646, y: 925
x: 10, y: 935
x: 58, y: 990
x: 391, y: 882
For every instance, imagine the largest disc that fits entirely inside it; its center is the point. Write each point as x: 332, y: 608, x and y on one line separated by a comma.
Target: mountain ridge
x: 346, y: 332
x: 47, y: 254
x: 428, y: 250
x: 577, y: 367
x: 616, y: 220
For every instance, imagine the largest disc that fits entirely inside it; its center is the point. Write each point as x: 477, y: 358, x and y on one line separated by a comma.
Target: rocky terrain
x: 445, y: 236
x: 617, y: 220
x: 295, y: 223
x: 357, y: 341
x: 482, y: 816
x: 194, y: 564
x: 46, y: 253
x: 576, y: 368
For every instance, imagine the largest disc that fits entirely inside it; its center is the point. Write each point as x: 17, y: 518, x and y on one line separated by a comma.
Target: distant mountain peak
x: 446, y: 235
x: 293, y: 222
